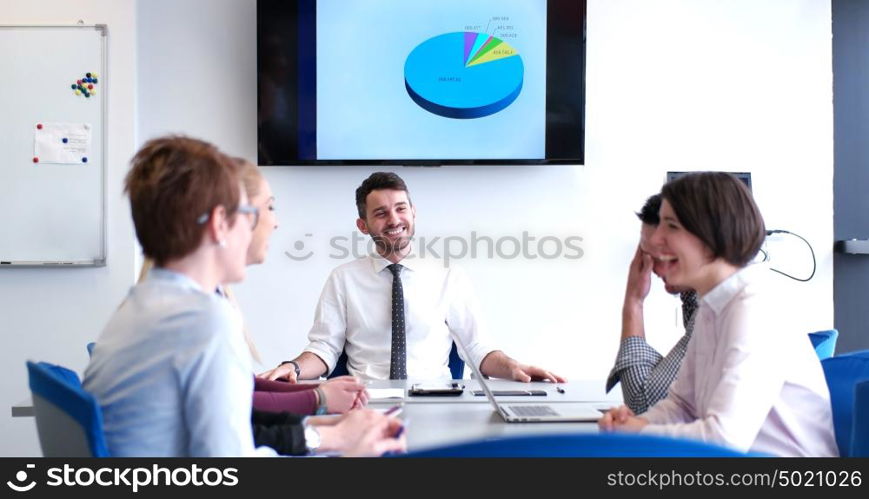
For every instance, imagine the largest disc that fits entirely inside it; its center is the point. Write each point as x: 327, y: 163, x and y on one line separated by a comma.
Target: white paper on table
x: 385, y: 393
x: 65, y: 143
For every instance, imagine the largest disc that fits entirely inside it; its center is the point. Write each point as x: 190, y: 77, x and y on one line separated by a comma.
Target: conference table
x: 433, y: 421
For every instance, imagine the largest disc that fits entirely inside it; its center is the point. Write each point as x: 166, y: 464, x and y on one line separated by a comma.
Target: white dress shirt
x: 355, y: 314
x: 172, y: 373
x: 748, y: 382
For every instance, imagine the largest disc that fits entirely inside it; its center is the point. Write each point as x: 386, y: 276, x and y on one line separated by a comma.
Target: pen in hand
x: 393, y: 411
x: 398, y: 434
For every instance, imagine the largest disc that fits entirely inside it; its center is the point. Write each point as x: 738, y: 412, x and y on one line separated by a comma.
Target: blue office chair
x: 456, y: 364
x: 860, y: 436
x: 843, y: 373
x: 824, y: 342
x: 581, y: 445
x: 68, y: 419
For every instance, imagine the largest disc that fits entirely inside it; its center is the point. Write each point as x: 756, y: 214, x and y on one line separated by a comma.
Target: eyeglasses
x: 242, y: 208
x: 249, y: 210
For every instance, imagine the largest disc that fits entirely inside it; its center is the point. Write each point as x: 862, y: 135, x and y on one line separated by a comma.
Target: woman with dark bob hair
x: 746, y: 381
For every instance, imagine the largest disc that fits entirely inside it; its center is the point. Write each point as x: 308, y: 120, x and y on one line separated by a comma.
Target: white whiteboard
x: 52, y: 213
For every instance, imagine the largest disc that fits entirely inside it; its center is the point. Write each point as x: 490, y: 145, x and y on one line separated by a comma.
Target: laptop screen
x: 476, y: 371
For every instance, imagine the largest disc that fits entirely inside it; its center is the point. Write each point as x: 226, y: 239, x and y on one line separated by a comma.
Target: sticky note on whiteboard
x: 63, y: 143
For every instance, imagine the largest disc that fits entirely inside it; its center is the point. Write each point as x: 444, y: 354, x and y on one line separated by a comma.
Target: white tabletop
x: 574, y: 391
x: 445, y: 420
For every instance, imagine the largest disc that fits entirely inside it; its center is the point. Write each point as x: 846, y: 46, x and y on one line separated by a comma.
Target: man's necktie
x: 398, y: 359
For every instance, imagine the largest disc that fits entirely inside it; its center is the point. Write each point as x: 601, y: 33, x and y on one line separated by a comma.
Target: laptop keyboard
x: 532, y: 410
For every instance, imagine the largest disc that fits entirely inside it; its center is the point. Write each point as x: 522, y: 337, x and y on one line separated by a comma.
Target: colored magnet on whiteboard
x: 86, y: 85
x: 84, y: 160
x: 62, y: 143
x: 93, y: 92
x: 39, y: 126
x: 35, y: 159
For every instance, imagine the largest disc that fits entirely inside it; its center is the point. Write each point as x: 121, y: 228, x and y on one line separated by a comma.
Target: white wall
x: 51, y: 314
x: 672, y: 85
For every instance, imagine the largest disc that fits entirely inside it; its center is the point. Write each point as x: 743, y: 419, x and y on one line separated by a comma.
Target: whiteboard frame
x: 100, y: 260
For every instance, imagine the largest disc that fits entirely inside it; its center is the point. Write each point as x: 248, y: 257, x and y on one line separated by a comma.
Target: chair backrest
x: 860, y: 429
x: 456, y: 364
x: 581, y: 445
x: 824, y: 342
x: 843, y: 373
x: 68, y: 419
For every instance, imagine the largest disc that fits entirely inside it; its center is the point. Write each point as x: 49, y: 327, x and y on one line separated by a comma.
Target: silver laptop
x: 532, y: 413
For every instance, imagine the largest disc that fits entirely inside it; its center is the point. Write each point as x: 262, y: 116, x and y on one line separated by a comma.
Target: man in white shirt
x: 393, y: 313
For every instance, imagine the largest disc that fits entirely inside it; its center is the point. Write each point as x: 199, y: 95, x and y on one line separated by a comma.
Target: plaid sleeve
x: 645, y: 375
x: 664, y: 373
x: 634, y: 364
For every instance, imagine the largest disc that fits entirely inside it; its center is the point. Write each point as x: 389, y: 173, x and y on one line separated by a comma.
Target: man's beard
x: 387, y: 247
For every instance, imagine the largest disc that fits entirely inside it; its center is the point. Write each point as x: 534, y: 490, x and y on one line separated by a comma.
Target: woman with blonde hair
x: 337, y: 395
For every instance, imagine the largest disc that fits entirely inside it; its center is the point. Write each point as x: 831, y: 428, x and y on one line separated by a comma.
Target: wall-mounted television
x: 421, y: 82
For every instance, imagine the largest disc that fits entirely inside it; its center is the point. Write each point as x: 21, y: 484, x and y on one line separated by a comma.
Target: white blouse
x: 748, y: 382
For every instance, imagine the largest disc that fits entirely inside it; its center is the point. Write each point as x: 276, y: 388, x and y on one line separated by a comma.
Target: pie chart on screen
x: 464, y: 75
